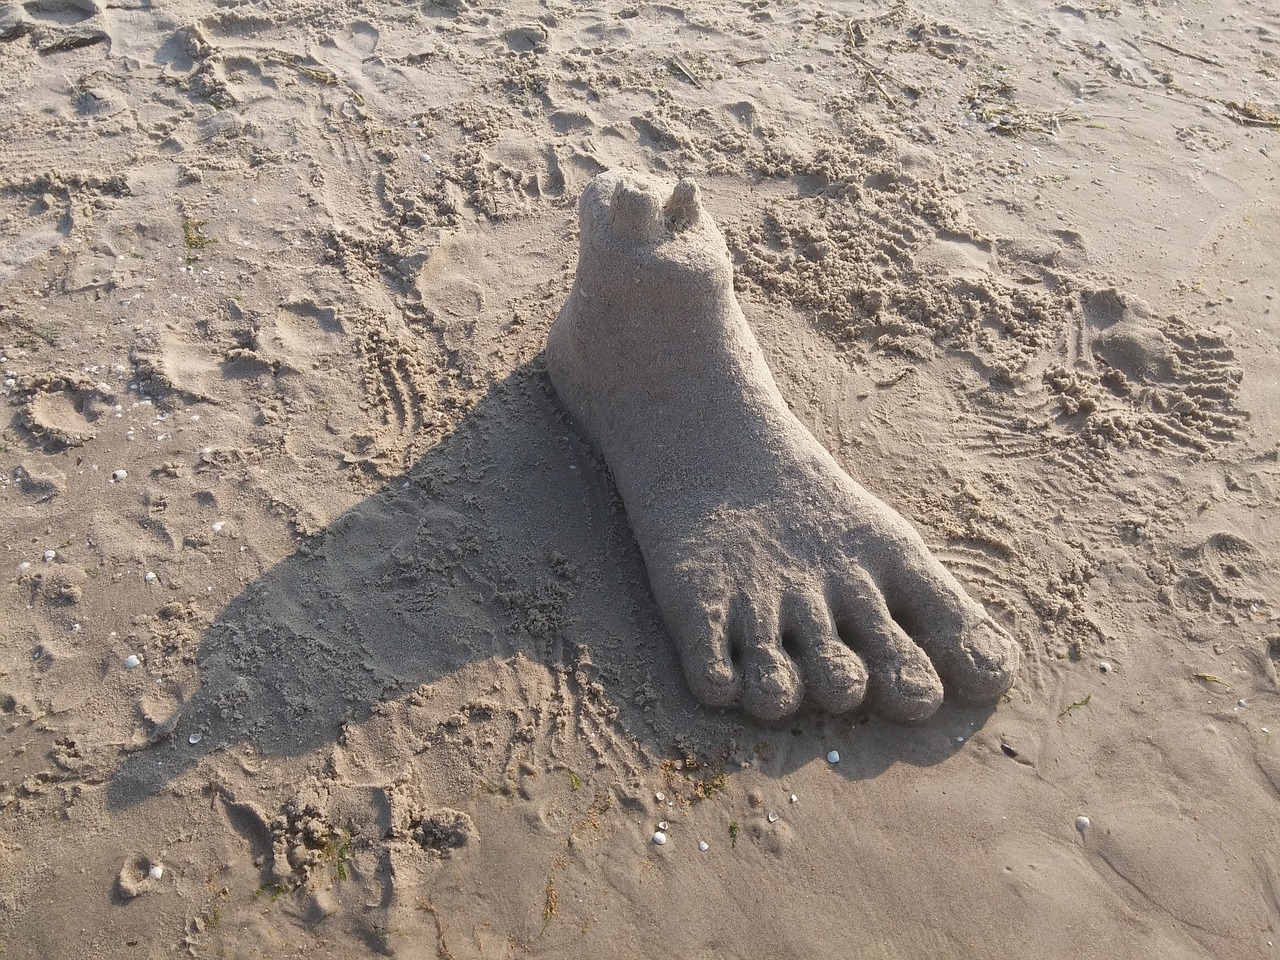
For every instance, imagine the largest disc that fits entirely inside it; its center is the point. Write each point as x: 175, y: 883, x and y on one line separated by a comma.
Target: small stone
x: 217, y: 527
x: 833, y: 756
x: 794, y: 798
x: 150, y: 577
x: 704, y: 846
x: 24, y: 566
x: 132, y: 661
x: 659, y: 838
x: 1082, y: 824
x: 195, y: 738
x: 118, y: 475
x: 1241, y: 703
x: 156, y: 872
x: 659, y: 797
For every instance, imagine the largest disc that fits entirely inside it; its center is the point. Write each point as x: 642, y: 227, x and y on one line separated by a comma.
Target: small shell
x: 704, y: 846
x: 1082, y: 824
x: 1241, y: 703
x: 664, y: 826
x: 659, y: 797
x: 659, y: 838
x: 833, y: 756
x: 131, y: 661
x: 195, y: 738
x: 217, y: 527
x: 24, y: 566
x: 772, y: 816
x: 1105, y: 667
x: 49, y: 555
x: 150, y: 577
x: 794, y: 798
x: 118, y: 475
x: 156, y: 872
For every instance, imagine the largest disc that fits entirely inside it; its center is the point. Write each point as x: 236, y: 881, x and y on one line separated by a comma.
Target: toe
x: 635, y: 211
x: 902, y: 684
x: 835, y: 679
x: 771, y: 685
x: 975, y: 658
x: 706, y: 657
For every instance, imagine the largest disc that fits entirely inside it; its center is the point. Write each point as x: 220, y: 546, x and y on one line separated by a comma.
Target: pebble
x: 704, y: 846
x: 131, y: 661
x: 659, y: 838
x: 217, y: 527
x: 150, y: 577
x: 659, y: 797
x: 24, y: 566
x: 156, y: 872
x: 118, y: 475
x: 794, y: 798
x: 833, y: 756
x: 1241, y: 703
x: 1082, y: 824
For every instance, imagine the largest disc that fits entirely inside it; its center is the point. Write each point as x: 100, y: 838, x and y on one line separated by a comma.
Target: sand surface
x: 275, y: 282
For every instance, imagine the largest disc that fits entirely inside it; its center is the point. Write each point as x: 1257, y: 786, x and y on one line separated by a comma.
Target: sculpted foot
x: 780, y: 579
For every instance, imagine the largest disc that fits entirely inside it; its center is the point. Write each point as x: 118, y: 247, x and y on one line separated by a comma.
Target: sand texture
x: 336, y: 620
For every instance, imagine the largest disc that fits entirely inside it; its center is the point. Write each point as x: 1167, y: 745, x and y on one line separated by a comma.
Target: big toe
x: 980, y: 664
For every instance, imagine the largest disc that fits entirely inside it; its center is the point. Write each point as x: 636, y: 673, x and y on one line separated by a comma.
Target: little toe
x: 771, y: 685
x: 835, y: 679
x: 636, y: 211
x: 975, y: 658
x: 707, y: 660
x: 902, y: 684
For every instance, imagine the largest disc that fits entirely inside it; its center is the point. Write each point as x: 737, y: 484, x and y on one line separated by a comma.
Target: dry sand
x: 275, y: 283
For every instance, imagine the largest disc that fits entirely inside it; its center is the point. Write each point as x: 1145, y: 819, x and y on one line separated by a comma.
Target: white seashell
x: 959, y: 739
x: 156, y: 872
x: 150, y: 577
x: 659, y: 797
x: 195, y: 738
x: 1241, y: 703
x: 1105, y: 667
x: 833, y: 756
x: 704, y: 846
x: 664, y: 826
x: 794, y: 798
x: 659, y: 838
x: 24, y: 566
x: 118, y: 475
x: 49, y: 555
x: 217, y: 527
x: 131, y: 661
x: 772, y: 817
x: 1082, y: 824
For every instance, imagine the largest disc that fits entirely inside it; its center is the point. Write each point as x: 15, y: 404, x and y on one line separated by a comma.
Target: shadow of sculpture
x: 506, y: 540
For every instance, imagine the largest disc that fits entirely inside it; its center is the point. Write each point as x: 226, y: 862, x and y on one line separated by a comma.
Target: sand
x: 276, y: 282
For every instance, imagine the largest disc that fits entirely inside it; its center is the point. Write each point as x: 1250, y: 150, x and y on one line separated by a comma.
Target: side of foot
x: 780, y: 579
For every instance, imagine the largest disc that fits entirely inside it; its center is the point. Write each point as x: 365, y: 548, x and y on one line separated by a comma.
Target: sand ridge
x: 276, y: 280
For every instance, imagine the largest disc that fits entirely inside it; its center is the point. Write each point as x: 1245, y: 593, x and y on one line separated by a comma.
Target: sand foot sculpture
x: 780, y: 579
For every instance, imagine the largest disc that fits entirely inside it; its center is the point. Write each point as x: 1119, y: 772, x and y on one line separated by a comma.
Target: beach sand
x: 325, y: 630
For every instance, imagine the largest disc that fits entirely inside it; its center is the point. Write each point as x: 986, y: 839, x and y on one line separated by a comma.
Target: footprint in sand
x: 781, y: 580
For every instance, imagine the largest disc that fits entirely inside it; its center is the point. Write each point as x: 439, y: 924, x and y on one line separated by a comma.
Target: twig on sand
x: 1250, y: 114
x: 685, y: 69
x: 1182, y: 53
x: 1210, y: 678
x: 1083, y: 702
x: 870, y: 69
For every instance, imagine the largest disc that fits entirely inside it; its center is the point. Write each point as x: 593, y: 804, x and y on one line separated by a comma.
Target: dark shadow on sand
x: 505, y: 540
